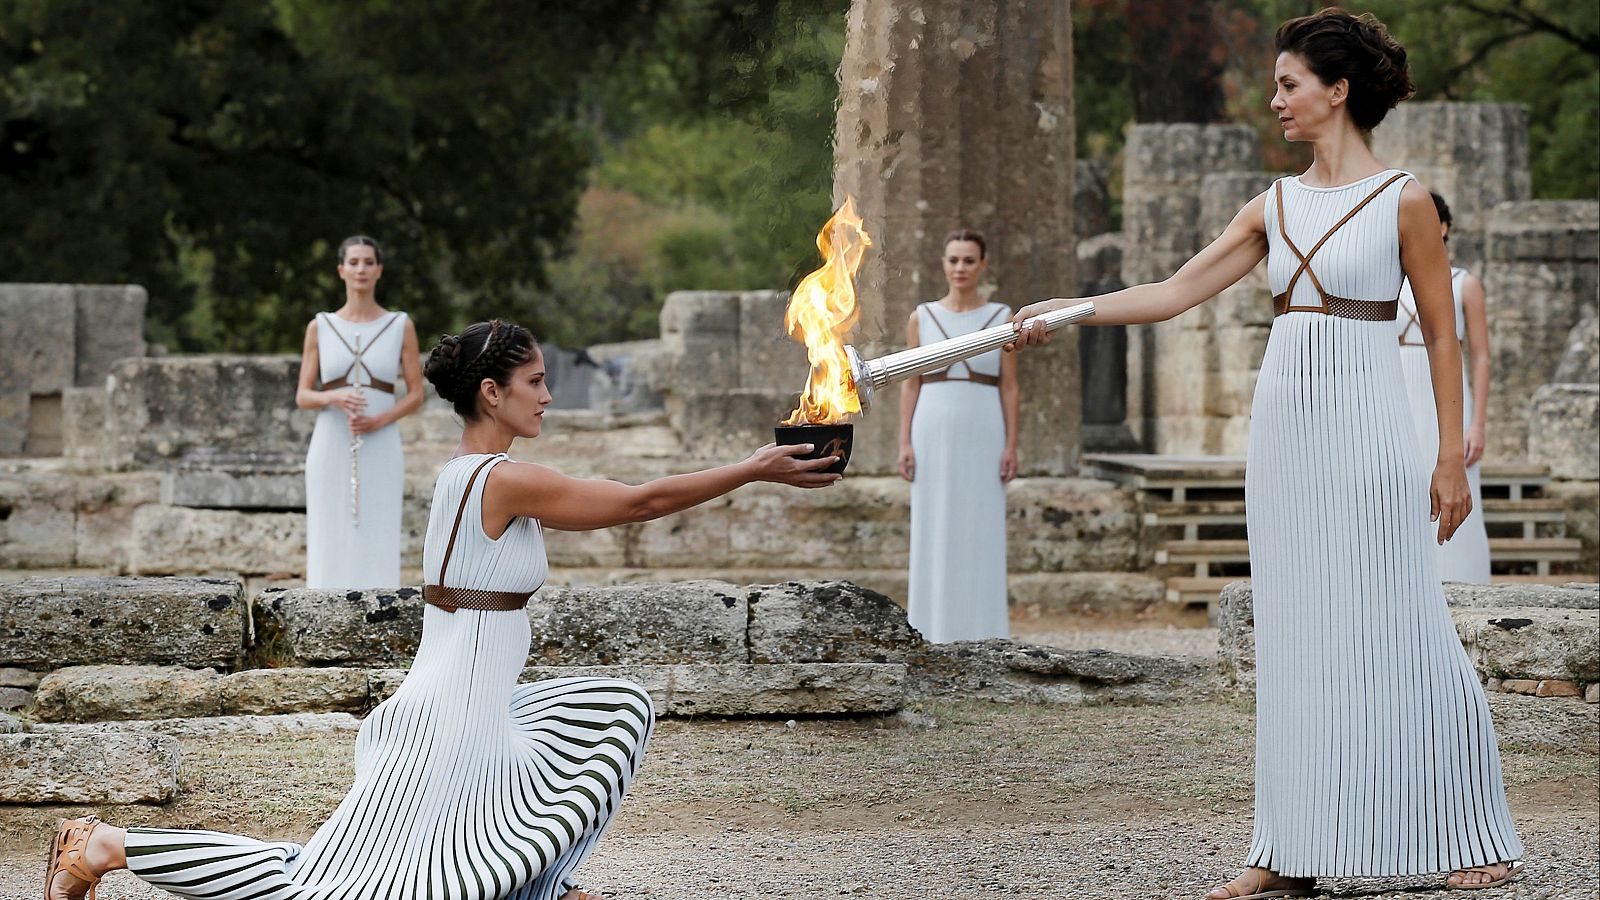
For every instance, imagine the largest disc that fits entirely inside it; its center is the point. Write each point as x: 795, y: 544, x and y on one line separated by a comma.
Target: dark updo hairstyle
x: 967, y: 234
x: 1335, y: 44
x: 360, y: 240
x: 460, y: 362
x: 1440, y: 207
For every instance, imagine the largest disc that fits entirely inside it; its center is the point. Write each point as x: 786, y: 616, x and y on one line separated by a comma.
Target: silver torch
x: 871, y: 374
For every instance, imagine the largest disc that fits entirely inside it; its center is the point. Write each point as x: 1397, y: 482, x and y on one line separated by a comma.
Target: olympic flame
x: 822, y: 310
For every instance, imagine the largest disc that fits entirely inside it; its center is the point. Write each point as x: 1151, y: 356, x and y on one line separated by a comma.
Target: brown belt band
x: 1344, y: 308
x: 378, y: 384
x: 975, y: 377
x: 451, y: 599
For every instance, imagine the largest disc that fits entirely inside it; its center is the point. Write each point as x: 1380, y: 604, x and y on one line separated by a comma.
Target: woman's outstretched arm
x: 1425, y: 262
x: 584, y: 504
x: 1219, y: 266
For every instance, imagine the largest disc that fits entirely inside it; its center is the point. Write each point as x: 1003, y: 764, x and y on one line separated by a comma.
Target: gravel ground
x: 946, y: 801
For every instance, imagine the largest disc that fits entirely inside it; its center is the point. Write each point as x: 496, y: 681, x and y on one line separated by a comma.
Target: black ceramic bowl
x: 829, y: 440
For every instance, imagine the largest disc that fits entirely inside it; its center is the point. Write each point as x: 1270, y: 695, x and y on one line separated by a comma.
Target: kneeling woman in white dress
x: 958, y: 448
x: 355, y: 470
x: 1464, y: 557
x: 467, y: 784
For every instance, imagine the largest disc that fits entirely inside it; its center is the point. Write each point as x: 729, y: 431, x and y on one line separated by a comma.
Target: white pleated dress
x: 957, y: 585
x: 1464, y: 557
x: 1375, y: 754
x: 353, y: 540
x: 468, y: 786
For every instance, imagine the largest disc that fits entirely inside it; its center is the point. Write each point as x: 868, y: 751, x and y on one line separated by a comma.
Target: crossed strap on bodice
x: 374, y: 382
x: 974, y: 377
x: 451, y: 599
x: 1343, y: 307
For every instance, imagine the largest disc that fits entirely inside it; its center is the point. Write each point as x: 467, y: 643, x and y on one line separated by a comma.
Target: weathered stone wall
x: 955, y: 113
x: 55, y: 337
x: 160, y: 408
x: 1166, y: 218
x: 1474, y: 154
x: 1542, y: 277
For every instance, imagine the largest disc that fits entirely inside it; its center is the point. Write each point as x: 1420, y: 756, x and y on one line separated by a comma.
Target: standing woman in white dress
x: 355, y: 468
x: 958, y: 448
x: 468, y: 785
x: 1375, y: 754
x: 1464, y: 557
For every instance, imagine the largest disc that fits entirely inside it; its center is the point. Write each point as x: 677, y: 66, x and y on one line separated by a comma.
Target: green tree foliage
x: 1543, y: 54
x: 216, y: 150
x: 714, y: 165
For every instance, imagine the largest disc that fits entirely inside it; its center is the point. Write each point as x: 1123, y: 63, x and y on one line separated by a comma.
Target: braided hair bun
x: 459, y: 363
x: 1335, y: 44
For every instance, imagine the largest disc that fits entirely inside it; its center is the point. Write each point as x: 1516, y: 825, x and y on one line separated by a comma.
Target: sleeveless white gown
x: 355, y: 544
x: 1464, y: 557
x: 468, y: 786
x: 1375, y: 754
x: 957, y: 585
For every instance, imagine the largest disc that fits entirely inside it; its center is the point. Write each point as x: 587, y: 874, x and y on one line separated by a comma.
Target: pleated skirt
x: 468, y: 786
x: 345, y: 551
x: 1464, y: 557
x: 957, y: 584
x: 1375, y: 754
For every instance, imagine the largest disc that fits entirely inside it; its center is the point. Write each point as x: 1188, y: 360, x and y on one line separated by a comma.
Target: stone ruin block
x: 1474, y: 154
x: 769, y: 359
x: 1541, y: 280
x: 177, y: 539
x: 308, y: 627
x: 37, y: 333
x: 828, y: 622
x: 1531, y: 643
x: 1564, y: 430
x: 236, y: 480
x: 639, y: 624
x: 733, y: 689
x: 109, y: 327
x: 163, y: 408
x: 50, y: 622
x: 1580, y: 361
x: 110, y: 692
x: 91, y: 768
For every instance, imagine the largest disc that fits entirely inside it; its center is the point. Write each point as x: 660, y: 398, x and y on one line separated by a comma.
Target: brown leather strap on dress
x: 377, y: 383
x: 1342, y: 307
x: 451, y: 599
x: 974, y: 377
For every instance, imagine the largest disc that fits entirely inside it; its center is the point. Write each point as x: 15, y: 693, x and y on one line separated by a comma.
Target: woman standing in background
x: 1464, y: 557
x: 958, y: 448
x: 355, y: 468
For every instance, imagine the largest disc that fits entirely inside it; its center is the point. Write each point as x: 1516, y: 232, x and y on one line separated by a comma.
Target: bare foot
x: 576, y: 894
x: 1478, y: 876
x: 1255, y: 881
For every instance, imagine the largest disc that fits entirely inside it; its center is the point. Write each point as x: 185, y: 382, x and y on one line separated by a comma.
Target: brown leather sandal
x: 1512, y: 872
x: 69, y: 852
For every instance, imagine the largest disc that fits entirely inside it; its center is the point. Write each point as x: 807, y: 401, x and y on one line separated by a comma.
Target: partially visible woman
x: 468, y: 785
x: 1464, y: 557
x: 355, y: 468
x: 958, y: 448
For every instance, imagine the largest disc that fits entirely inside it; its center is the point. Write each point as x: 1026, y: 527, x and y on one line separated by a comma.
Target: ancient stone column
x: 958, y: 113
x: 1474, y: 154
x: 1164, y: 166
x: 1542, y: 276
